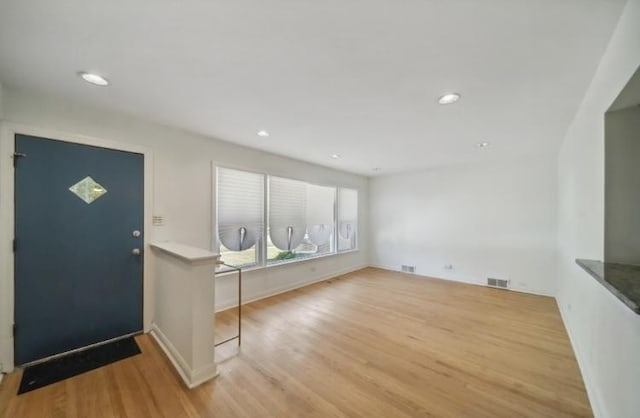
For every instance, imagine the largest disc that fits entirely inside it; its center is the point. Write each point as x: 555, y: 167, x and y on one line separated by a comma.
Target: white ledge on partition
x: 185, y: 252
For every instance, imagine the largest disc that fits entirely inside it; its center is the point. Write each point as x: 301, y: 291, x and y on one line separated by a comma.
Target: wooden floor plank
x: 371, y: 343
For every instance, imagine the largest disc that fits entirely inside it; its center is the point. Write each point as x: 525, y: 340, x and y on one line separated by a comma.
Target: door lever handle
x: 135, y: 251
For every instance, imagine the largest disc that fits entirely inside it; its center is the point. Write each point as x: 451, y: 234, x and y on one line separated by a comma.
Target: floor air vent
x: 499, y: 283
x: 408, y: 269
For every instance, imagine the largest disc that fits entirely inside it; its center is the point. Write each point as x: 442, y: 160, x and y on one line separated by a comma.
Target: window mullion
x: 336, y: 204
x: 265, y: 223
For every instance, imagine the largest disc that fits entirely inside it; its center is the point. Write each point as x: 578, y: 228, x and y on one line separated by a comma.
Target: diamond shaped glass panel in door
x: 88, y: 190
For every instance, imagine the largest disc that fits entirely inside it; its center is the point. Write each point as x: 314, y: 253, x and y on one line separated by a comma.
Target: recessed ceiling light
x: 482, y: 144
x: 263, y: 133
x: 335, y: 156
x: 449, y: 98
x: 376, y: 169
x: 94, y: 79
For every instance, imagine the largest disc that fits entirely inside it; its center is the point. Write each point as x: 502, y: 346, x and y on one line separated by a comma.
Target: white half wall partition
x: 185, y: 309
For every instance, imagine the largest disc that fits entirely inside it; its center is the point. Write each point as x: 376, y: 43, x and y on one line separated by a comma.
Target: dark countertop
x: 623, y: 280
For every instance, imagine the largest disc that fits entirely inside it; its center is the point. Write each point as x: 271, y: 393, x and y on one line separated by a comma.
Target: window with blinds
x: 303, y: 220
x: 240, y: 212
x: 347, y: 219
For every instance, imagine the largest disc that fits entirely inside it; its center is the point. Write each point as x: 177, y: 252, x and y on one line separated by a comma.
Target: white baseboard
x: 203, y: 375
x: 587, y: 378
x: 465, y: 281
x: 450, y: 279
x: 232, y: 303
x: 191, y: 378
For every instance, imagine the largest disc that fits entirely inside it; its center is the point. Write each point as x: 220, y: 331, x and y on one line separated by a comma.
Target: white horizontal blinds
x: 287, y: 212
x: 240, y: 197
x: 347, y: 218
x: 320, y: 209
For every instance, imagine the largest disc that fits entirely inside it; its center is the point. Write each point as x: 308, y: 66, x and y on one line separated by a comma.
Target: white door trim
x: 8, y: 131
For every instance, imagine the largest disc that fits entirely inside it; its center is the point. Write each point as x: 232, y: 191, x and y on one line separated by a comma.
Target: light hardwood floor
x: 368, y: 344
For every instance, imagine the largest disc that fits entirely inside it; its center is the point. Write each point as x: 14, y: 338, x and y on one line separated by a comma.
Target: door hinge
x: 15, y: 245
x: 16, y: 156
x: 14, y: 330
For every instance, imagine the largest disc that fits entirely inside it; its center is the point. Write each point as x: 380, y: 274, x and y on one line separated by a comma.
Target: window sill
x: 286, y: 263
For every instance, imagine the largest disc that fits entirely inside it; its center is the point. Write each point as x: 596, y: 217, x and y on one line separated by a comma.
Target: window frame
x: 261, y: 246
x: 337, y: 221
x: 334, y: 240
x: 215, y: 240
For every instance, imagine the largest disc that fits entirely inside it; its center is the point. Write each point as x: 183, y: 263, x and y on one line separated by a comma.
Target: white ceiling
x: 354, y: 77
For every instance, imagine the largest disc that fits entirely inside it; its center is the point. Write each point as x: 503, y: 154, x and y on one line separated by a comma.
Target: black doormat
x: 52, y: 371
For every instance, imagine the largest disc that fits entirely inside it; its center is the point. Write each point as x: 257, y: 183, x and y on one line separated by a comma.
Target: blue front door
x: 79, y: 215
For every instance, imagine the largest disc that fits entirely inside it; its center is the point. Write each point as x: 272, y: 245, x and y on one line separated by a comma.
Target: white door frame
x: 8, y: 131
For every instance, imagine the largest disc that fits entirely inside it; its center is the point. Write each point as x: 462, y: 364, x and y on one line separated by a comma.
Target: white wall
x: 604, y: 332
x: 490, y: 220
x: 5, y: 332
x: 182, y: 182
